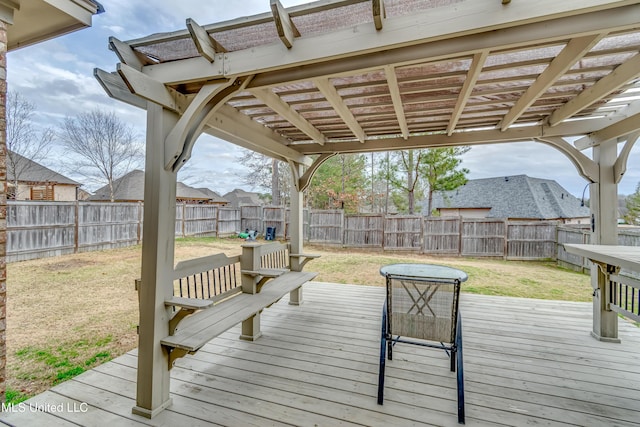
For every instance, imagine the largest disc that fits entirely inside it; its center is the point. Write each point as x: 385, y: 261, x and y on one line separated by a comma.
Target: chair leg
x: 383, y: 347
x: 453, y: 358
x: 460, y: 372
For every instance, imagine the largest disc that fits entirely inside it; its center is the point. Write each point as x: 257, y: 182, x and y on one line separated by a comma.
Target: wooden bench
x: 207, y: 312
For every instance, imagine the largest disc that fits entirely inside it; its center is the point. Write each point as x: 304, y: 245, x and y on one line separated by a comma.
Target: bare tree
x: 268, y: 174
x: 24, y: 141
x: 105, y: 148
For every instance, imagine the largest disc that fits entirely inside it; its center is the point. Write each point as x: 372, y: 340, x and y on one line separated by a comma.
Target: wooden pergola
x: 302, y: 84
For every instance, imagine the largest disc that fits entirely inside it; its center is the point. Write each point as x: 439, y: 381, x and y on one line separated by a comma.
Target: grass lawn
x: 69, y: 313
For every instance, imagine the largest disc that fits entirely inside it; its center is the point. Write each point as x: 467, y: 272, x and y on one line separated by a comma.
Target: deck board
x: 527, y: 362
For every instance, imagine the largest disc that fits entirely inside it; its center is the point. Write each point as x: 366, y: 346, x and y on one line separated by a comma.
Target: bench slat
x: 202, y: 327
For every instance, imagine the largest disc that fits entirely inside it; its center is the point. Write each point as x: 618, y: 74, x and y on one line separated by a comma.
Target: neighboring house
x: 518, y: 197
x: 83, y: 195
x: 37, y: 182
x: 214, y: 198
x: 130, y: 188
x: 240, y: 197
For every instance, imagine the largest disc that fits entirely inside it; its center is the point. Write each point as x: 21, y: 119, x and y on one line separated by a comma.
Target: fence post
x: 184, y: 218
x: 139, y: 225
x: 506, y: 239
x: 218, y: 221
x: 76, y: 227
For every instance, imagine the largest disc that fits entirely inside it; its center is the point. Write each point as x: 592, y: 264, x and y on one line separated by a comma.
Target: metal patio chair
x: 422, y: 304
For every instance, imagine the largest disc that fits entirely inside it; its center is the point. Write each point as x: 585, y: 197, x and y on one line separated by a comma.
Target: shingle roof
x: 239, y: 197
x: 131, y: 187
x: 518, y: 196
x: 30, y: 171
x: 213, y: 196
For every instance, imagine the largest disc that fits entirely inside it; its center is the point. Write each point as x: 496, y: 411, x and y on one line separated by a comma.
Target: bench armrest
x: 265, y: 272
x: 188, y: 303
x: 304, y: 256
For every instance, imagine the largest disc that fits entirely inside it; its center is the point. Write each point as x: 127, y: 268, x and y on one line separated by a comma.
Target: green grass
x: 13, y: 397
x: 58, y: 363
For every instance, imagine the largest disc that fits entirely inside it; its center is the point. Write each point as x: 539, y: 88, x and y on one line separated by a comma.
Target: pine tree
x: 633, y: 207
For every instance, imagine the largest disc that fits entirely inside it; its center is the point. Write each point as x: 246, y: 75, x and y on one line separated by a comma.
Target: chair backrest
x: 423, y: 309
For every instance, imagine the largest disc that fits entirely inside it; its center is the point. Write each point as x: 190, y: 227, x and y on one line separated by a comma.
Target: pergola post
x: 603, y: 205
x: 296, y: 226
x: 157, y: 266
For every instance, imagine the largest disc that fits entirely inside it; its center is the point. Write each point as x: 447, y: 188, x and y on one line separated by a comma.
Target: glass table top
x: 423, y: 271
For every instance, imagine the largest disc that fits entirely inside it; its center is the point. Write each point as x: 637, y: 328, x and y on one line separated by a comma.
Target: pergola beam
x: 467, y: 88
x: 394, y: 90
x: 619, y: 124
x: 207, y: 46
x: 572, y: 53
x: 479, y: 137
x: 617, y: 130
x: 116, y: 88
x: 151, y: 90
x: 610, y: 83
x: 227, y: 123
x: 276, y: 103
x: 336, y: 101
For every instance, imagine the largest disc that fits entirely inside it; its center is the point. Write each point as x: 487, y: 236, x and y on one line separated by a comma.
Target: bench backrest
x: 274, y: 255
x: 206, y: 277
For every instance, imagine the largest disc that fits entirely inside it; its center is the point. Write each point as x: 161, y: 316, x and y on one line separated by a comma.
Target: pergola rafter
x: 572, y: 52
x: 467, y: 88
x: 357, y: 76
x: 207, y: 46
x: 612, y: 82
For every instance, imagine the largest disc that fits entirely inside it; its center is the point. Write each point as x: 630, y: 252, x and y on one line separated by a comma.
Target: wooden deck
x: 527, y: 362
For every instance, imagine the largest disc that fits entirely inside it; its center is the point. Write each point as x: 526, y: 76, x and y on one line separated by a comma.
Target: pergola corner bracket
x: 303, y: 182
x: 180, y: 140
x: 586, y: 167
x: 620, y: 166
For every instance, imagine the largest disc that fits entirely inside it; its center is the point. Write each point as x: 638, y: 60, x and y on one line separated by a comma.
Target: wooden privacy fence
x: 42, y: 229
x: 627, y: 236
x: 453, y: 236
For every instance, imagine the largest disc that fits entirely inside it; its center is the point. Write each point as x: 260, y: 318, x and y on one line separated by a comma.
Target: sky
x: 57, y: 77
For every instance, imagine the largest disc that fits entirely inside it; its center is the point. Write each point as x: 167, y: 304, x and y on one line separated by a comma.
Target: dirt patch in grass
x: 67, y: 314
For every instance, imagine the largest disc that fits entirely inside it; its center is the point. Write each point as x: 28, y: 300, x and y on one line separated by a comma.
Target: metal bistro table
x: 422, y: 303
